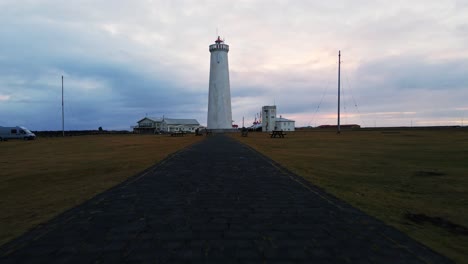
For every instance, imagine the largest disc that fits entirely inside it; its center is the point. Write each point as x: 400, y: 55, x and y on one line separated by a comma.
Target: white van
x: 17, y: 132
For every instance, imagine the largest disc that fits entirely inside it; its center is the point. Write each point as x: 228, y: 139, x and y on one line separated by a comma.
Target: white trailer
x: 17, y: 132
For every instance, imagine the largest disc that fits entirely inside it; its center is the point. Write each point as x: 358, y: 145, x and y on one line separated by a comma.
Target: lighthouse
x: 219, y: 96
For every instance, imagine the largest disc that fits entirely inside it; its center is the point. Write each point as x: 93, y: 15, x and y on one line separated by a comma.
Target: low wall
x: 224, y: 130
x: 79, y: 133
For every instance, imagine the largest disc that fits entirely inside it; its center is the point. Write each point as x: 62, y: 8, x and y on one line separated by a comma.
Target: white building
x: 155, y: 125
x: 270, y: 122
x: 148, y: 125
x: 285, y: 124
x: 184, y: 125
x: 268, y: 118
x: 219, y: 97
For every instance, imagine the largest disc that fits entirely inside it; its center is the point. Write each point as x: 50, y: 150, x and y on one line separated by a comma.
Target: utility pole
x: 63, y: 113
x: 339, y: 73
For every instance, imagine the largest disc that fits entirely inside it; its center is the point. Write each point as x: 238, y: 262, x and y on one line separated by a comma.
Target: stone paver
x: 215, y: 202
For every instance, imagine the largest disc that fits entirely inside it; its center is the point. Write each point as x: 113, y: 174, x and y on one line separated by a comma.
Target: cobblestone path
x: 215, y: 202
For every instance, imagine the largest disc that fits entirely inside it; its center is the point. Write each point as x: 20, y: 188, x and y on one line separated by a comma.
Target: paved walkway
x: 215, y: 202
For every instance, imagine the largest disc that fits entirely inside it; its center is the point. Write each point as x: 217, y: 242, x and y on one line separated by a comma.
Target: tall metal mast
x: 339, y: 66
x: 63, y: 115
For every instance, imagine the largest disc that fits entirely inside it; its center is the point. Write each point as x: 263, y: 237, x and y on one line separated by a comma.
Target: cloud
x: 4, y: 97
x: 124, y: 60
x: 410, y: 72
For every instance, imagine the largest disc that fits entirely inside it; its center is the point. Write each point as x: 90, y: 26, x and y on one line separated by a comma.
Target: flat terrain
x: 218, y: 201
x: 42, y: 178
x: 414, y: 180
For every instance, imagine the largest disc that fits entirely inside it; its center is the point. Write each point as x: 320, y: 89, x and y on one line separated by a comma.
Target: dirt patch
x: 412, y: 135
x: 437, y: 221
x: 428, y: 173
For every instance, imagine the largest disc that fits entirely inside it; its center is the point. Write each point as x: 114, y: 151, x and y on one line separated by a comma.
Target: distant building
x: 185, y: 125
x: 268, y: 118
x: 148, y: 125
x: 285, y: 124
x: 152, y: 125
x: 341, y: 126
x: 270, y: 122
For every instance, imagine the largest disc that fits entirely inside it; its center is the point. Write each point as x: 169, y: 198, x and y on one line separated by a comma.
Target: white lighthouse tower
x: 219, y: 98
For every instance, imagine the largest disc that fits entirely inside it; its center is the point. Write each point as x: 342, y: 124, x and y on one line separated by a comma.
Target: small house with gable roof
x: 151, y: 125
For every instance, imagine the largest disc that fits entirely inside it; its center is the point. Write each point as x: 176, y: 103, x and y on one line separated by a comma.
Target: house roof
x: 154, y: 119
x: 174, y: 121
x: 284, y: 120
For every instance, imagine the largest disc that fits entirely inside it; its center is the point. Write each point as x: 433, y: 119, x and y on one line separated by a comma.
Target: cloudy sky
x: 403, y: 62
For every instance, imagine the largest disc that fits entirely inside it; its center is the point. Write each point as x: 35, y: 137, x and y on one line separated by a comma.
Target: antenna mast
x: 63, y: 115
x: 339, y: 69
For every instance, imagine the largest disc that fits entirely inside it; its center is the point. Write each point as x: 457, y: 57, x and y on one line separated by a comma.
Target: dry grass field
x: 414, y: 180
x: 42, y: 178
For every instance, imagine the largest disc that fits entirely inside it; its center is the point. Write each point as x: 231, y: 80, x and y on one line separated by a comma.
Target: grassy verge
x: 416, y: 181
x: 42, y: 178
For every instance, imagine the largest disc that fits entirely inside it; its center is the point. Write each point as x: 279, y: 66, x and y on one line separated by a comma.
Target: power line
x: 325, y: 90
x: 354, y: 101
